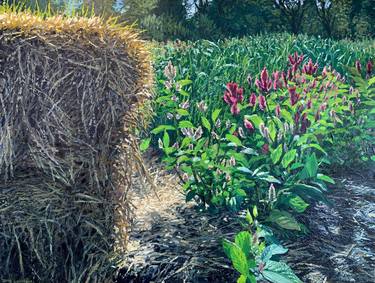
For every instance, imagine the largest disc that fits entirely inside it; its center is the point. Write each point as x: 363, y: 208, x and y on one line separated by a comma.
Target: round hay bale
x: 71, y: 90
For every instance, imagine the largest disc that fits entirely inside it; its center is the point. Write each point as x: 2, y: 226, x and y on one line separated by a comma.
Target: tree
x: 325, y: 14
x: 293, y: 11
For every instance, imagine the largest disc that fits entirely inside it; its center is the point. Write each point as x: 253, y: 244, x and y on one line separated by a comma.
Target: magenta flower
x: 284, y: 78
x: 248, y: 125
x: 305, y: 123
x: 317, y: 115
x: 310, y: 68
x: 265, y: 82
x: 262, y: 102
x: 309, y: 104
x: 295, y: 59
x: 358, y: 66
x: 276, y: 80
x: 369, y: 67
x: 233, y: 94
x: 277, y: 110
x: 253, y: 100
x: 324, y: 72
x: 265, y: 149
x: 294, y: 97
x: 297, y: 118
x: 234, y: 109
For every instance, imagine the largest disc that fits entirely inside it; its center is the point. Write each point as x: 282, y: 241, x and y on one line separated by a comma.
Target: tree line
x: 212, y: 19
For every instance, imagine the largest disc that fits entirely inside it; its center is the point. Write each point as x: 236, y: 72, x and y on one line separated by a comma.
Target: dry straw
x: 70, y: 94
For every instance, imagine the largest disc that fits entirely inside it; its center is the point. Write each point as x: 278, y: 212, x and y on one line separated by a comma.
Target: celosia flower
x: 169, y: 116
x: 228, y: 124
x: 265, y: 82
x: 202, y: 106
x: 253, y: 99
x: 265, y: 149
x: 317, y: 115
x: 233, y: 94
x: 198, y: 133
x: 241, y: 132
x: 234, y: 109
x: 185, y: 177
x: 309, y: 104
x: 284, y: 78
x: 296, y: 118
x: 174, y: 98
x: 160, y: 143
x: 249, y: 80
x: 310, y: 68
x: 218, y: 123
x: 176, y: 145
x: 324, y: 72
x: 276, y: 80
x: 262, y: 102
x: 185, y: 105
x: 295, y: 59
x: 271, y: 193
x: 278, y: 110
x: 293, y: 96
x: 232, y: 161
x: 248, y: 125
x: 358, y: 66
x: 170, y: 71
x: 369, y: 67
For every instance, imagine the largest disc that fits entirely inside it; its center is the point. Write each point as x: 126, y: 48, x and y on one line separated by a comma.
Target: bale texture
x: 70, y: 94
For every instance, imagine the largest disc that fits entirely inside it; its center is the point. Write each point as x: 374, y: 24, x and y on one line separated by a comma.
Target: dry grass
x: 72, y: 94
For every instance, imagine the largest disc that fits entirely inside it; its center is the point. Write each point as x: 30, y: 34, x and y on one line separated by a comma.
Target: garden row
x: 258, y: 143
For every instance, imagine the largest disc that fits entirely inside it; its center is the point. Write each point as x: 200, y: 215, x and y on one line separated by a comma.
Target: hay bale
x: 70, y: 94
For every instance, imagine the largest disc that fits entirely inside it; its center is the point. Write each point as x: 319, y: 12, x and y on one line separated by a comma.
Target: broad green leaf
x: 183, y: 112
x: 249, y: 218
x: 215, y: 114
x: 309, y: 193
x: 312, y: 165
x: 243, y: 240
x: 183, y: 83
x: 227, y: 247
x: 272, y: 250
x: 287, y: 116
x: 242, y: 279
x: 162, y: 128
x: 145, y: 144
x: 326, y: 178
x: 185, y: 124
x: 206, y: 123
x: 289, y: 158
x: 233, y: 139
x: 239, y: 260
x: 298, y: 204
x: 284, y: 219
x: 255, y: 211
x: 166, y: 139
x: 255, y: 119
x: 272, y: 129
x: 276, y: 154
x: 279, y: 272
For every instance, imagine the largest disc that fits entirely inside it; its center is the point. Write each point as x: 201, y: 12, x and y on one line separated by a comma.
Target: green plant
x: 255, y: 254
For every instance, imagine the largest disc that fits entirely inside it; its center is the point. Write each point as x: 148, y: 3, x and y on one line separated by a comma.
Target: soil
x: 172, y: 242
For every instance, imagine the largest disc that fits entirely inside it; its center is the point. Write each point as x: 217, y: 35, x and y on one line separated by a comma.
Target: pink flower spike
x: 369, y: 67
x: 234, y: 109
x: 248, y: 125
x: 265, y: 82
x: 253, y: 100
x: 358, y: 66
x: 278, y: 110
x: 262, y: 102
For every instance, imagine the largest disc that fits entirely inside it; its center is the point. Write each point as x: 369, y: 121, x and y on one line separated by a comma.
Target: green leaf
x: 287, y: 116
x: 183, y: 112
x: 206, y: 123
x: 298, y: 204
x: 166, y: 139
x: 276, y: 154
x: 289, y: 158
x: 227, y: 247
x: 183, y: 83
x: 239, y: 260
x: 326, y: 178
x: 308, y: 192
x: 284, y: 219
x: 233, y: 139
x: 249, y: 218
x: 162, y: 128
x: 215, y: 114
x: 145, y: 144
x: 272, y: 250
x: 185, y: 124
x: 279, y: 272
x: 255, y: 119
x: 255, y: 211
x: 242, y: 279
x: 312, y: 165
x: 243, y: 240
